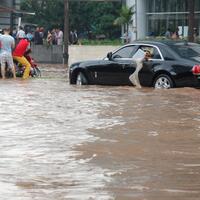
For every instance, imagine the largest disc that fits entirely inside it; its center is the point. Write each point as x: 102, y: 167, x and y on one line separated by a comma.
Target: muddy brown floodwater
x: 59, y: 141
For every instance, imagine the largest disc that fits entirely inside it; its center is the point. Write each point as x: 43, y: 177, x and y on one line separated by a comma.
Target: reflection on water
x: 59, y: 141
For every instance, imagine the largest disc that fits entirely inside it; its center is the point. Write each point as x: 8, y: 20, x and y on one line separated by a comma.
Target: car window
x: 187, y: 51
x: 139, y: 54
x: 125, y: 52
x: 167, y: 54
x: 153, y: 51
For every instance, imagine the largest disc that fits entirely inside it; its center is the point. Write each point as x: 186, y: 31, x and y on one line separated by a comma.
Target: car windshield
x: 187, y: 50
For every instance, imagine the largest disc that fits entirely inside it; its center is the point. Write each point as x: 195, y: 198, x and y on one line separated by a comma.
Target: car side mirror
x: 109, y: 56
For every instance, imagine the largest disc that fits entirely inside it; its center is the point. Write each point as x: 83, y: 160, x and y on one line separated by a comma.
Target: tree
x: 83, y: 16
x: 95, y: 17
x: 47, y: 13
x: 191, y: 20
x: 125, y: 17
x: 66, y: 32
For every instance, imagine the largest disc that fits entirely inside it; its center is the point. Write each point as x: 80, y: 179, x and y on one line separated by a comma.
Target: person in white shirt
x: 7, y: 43
x: 20, y: 34
x: 59, y: 37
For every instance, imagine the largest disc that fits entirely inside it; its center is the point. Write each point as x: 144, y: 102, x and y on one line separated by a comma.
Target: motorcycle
x: 19, y: 68
x: 35, y: 71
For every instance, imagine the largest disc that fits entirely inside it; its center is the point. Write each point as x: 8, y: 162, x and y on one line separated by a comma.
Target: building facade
x: 7, y: 18
x: 154, y: 17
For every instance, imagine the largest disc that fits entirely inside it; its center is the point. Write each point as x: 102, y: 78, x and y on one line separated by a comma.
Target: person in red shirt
x: 18, y: 55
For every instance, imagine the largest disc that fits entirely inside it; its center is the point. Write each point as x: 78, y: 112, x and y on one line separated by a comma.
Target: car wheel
x: 81, y: 79
x: 163, y: 81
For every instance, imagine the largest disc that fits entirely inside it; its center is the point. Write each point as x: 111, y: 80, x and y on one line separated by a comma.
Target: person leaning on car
x: 134, y: 78
x: 148, y: 55
x: 18, y: 55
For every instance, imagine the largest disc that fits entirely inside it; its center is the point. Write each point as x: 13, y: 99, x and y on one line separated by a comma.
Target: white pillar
x: 19, y: 22
x: 141, y: 19
x: 132, y: 27
x: 138, y: 26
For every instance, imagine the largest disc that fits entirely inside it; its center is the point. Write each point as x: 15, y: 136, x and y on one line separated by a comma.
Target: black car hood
x: 75, y: 64
x: 85, y: 63
x: 89, y: 63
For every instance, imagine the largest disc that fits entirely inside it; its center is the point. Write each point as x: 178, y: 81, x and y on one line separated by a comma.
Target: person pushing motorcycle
x: 18, y: 55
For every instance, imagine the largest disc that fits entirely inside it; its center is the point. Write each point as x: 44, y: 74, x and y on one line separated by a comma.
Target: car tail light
x: 196, y: 70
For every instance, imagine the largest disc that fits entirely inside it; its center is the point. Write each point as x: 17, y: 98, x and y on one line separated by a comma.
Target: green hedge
x: 180, y: 39
x: 100, y: 42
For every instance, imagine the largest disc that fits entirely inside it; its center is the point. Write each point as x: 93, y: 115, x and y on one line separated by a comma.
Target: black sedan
x: 173, y: 64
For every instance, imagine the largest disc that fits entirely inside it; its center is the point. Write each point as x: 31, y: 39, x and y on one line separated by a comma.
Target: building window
x: 162, y: 14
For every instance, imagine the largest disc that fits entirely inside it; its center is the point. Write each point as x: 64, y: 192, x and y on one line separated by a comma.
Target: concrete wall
x: 79, y: 53
x: 47, y: 54
x: 54, y: 54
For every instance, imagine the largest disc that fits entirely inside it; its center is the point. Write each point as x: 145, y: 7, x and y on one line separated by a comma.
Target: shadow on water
x: 60, y: 141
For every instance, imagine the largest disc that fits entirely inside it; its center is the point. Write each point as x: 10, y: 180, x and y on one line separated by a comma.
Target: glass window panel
x: 167, y: 5
x: 125, y: 52
x: 164, y: 14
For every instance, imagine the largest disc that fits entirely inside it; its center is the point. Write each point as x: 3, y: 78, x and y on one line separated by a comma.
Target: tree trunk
x: 191, y: 19
x: 126, y: 32
x: 66, y: 32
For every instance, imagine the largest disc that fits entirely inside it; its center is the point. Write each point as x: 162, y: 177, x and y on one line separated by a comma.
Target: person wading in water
x: 143, y: 56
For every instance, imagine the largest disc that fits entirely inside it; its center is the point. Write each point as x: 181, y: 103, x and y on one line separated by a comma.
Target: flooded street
x: 59, y: 141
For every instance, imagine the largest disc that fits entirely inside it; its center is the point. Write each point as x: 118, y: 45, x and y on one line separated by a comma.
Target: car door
x: 109, y: 72
x: 115, y: 71
x: 121, y: 65
x: 104, y: 73
x: 121, y: 69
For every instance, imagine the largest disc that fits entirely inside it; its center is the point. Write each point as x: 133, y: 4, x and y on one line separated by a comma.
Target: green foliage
x: 96, y: 17
x: 116, y: 42
x: 126, y: 14
x: 48, y: 13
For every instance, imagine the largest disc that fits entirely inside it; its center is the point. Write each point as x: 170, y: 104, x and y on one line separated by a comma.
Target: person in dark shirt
x: 37, y: 36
